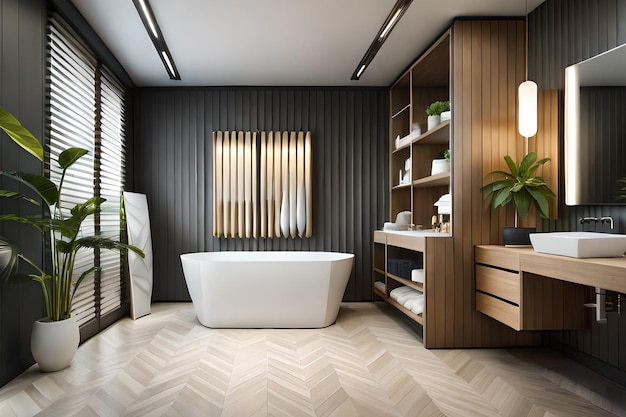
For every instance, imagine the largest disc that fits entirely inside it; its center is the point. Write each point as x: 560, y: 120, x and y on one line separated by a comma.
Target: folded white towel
x: 418, y: 306
x: 380, y: 286
x: 410, y: 302
x: 397, y: 292
x: 417, y: 275
x: 408, y: 295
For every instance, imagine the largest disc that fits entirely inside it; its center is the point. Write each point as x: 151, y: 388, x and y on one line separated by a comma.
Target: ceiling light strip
x: 154, y: 32
x: 148, y: 15
x: 392, y: 19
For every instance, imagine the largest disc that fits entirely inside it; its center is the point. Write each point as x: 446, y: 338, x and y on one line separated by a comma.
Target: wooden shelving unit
x: 426, y: 81
x: 414, y: 246
x: 477, y: 64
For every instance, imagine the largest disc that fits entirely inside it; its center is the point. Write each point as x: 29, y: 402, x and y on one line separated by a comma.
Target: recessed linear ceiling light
x: 394, y: 16
x: 152, y: 27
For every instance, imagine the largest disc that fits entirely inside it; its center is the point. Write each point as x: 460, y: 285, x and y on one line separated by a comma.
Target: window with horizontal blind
x: 86, y: 110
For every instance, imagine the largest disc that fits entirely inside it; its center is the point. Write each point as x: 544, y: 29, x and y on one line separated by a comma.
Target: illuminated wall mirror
x: 595, y: 130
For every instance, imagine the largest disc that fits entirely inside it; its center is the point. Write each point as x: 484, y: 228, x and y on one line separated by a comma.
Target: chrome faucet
x: 584, y: 220
x: 607, y: 219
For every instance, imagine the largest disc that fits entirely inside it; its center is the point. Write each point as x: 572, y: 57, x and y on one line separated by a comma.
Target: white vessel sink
x: 579, y: 244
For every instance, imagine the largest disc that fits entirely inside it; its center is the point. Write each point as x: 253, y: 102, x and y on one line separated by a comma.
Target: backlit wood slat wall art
x: 262, y: 184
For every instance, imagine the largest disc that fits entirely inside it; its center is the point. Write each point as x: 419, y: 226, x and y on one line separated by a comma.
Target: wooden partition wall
x: 487, y: 66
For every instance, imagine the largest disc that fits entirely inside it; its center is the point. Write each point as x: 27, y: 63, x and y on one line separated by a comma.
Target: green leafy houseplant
x: 437, y: 107
x: 60, y: 230
x: 521, y: 187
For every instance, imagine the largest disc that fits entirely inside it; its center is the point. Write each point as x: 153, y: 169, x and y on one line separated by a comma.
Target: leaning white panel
x: 138, y: 228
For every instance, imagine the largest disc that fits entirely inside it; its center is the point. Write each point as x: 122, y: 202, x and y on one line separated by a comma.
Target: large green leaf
x: 69, y: 156
x: 105, y: 243
x: 89, y: 207
x: 512, y: 166
x: 67, y: 228
x: 526, y: 163
x: 501, y: 198
x: 8, y: 259
x: 20, y: 134
x: 17, y: 196
x: 42, y: 185
x: 522, y: 203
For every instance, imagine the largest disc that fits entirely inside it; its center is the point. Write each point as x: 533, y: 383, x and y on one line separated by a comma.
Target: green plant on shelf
x: 437, y: 107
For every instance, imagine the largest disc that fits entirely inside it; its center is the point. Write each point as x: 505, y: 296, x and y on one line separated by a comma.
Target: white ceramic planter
x: 439, y: 166
x: 54, y: 343
x: 433, y: 121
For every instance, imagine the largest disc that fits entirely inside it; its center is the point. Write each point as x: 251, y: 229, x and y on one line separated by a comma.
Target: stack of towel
x: 410, y: 298
x: 380, y: 286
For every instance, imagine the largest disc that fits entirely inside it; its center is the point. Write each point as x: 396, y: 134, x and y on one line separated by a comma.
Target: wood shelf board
x: 380, y: 237
x: 405, y: 108
x: 416, y: 317
x: 433, y: 180
x: 415, y: 285
x: 439, y: 135
x: 401, y: 187
x: 415, y: 243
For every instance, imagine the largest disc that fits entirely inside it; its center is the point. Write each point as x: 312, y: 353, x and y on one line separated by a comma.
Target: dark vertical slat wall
x: 172, y: 164
x: 22, y: 66
x: 561, y: 33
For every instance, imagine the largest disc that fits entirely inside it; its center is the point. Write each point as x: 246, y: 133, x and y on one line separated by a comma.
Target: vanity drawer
x: 502, y: 284
x: 499, y: 256
x: 500, y: 310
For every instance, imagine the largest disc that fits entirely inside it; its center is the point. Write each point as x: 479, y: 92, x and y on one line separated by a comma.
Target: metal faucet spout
x: 607, y: 219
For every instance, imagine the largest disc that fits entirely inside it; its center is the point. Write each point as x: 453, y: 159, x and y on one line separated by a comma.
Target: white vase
x: 54, y: 343
x: 433, y: 121
x: 439, y: 166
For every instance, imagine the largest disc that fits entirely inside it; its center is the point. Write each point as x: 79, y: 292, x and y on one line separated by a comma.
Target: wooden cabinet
x: 412, y: 145
x: 424, y: 251
x: 477, y: 65
x: 523, y: 300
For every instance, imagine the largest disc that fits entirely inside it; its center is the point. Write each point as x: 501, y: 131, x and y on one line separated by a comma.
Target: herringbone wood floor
x: 367, y: 364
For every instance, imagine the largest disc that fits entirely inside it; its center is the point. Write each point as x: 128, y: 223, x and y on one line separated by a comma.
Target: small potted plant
x: 434, y: 111
x: 54, y: 338
x: 442, y: 163
x: 522, y: 188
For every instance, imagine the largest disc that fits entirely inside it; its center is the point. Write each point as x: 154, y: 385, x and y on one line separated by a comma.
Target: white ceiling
x: 277, y: 42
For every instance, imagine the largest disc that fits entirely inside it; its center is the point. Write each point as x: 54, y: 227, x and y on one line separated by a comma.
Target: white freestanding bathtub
x: 267, y: 289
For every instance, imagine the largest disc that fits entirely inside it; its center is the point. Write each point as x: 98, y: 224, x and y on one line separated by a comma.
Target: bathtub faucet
x: 584, y: 220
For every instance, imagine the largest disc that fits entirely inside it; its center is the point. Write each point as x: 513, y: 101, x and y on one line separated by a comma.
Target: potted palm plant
x: 522, y: 188
x: 55, y: 338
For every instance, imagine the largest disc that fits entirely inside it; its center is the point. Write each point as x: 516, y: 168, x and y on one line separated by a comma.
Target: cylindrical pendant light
x: 527, y: 105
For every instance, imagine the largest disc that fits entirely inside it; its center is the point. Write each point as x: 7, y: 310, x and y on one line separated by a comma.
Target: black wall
x: 22, y: 53
x: 561, y: 33
x: 172, y: 164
